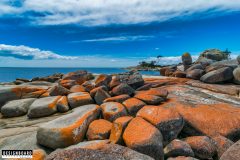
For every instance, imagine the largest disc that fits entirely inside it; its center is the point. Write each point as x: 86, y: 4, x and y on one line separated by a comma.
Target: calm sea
x: 10, y: 74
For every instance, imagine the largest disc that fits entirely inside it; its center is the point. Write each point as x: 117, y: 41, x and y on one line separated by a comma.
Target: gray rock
x: 98, y: 150
x: 195, y: 66
x: 58, y: 90
x: 186, y: 59
x: 69, y: 129
x: 238, y: 59
x: 214, y: 54
x: 195, y: 74
x: 79, y: 76
x: 178, y: 148
x: 123, y: 88
x: 232, y: 153
x: 236, y: 75
x: 8, y: 93
x: 218, y: 76
x: 100, y: 96
x: 16, y: 108
x: 103, y: 80
x: 79, y: 99
x: 43, y: 107
x: 62, y: 104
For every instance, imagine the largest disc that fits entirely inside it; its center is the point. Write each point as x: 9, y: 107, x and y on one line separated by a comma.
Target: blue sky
x: 113, y: 33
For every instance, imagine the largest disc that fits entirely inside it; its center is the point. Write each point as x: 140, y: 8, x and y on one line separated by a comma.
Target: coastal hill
x: 192, y: 112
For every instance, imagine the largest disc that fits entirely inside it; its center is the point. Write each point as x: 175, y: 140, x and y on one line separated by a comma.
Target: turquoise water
x: 10, y: 74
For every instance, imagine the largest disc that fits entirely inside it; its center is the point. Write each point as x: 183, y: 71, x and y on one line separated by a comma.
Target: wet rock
x: 222, y: 145
x: 149, y: 99
x: 195, y: 74
x: 62, y: 104
x: 100, y: 96
x: 43, y: 107
x: 79, y: 76
x: 79, y: 99
x: 97, y: 151
x: 94, y: 91
x: 103, y: 80
x: 133, y: 105
x: 16, y: 108
x: 232, y: 153
x: 167, y: 120
x: 143, y: 137
x: 113, y: 110
x: 68, y: 129
x: 236, y: 75
x: 218, y: 76
x: 118, y: 128
x: 77, y: 88
x: 178, y: 148
x: 99, y: 130
x: 119, y: 99
x: 195, y: 66
x: 202, y: 146
x: 58, y: 90
x: 132, y: 78
x: 123, y: 88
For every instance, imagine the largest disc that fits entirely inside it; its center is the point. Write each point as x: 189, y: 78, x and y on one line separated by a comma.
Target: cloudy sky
x: 113, y: 33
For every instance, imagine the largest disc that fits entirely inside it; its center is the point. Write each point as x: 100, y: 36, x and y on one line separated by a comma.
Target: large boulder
x: 218, y: 76
x: 214, y: 54
x: 202, y: 146
x: 178, y: 148
x: 62, y: 104
x: 133, y: 105
x: 58, y: 90
x: 143, y: 137
x: 16, y: 108
x: 118, y: 128
x: 222, y: 144
x: 100, y: 96
x: 8, y: 93
x: 186, y: 59
x: 167, y: 120
x: 68, y: 129
x: 77, y: 88
x: 236, y: 75
x: 79, y: 99
x: 43, y: 107
x: 67, y: 83
x: 195, y: 66
x: 97, y: 150
x: 103, y: 80
x: 149, y: 99
x: 99, y: 130
x: 195, y: 74
x: 113, y: 110
x: 132, y: 78
x: 94, y: 90
x: 232, y: 153
x: 123, y: 88
x: 79, y: 76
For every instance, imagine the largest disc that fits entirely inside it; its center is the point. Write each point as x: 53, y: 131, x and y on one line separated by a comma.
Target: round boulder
x: 123, y: 88
x: 133, y: 105
x: 195, y: 74
x: 218, y: 76
x: 186, y: 59
x: 236, y: 75
x: 99, y: 130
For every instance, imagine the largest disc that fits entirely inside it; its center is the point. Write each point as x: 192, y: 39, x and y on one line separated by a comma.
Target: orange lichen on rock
x: 45, y: 94
x: 119, y: 98
x: 54, y: 103
x: 118, y: 127
x: 99, y: 130
x: 144, y: 138
x: 39, y: 154
x: 133, y: 105
x: 149, y: 99
x: 68, y: 83
x: 77, y: 88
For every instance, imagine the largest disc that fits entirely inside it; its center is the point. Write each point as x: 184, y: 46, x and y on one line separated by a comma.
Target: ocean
x: 10, y: 74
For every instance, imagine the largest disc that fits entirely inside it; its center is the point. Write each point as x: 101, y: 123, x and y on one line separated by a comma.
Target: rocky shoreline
x: 120, y: 117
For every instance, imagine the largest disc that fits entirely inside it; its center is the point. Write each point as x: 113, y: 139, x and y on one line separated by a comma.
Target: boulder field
x: 123, y: 116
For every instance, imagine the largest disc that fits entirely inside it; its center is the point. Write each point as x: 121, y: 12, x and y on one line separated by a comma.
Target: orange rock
x: 46, y: 94
x: 79, y: 99
x: 202, y: 146
x: 77, y: 88
x: 133, y: 105
x: 62, y: 104
x: 144, y: 138
x: 156, y: 92
x: 118, y: 99
x: 167, y: 120
x: 103, y: 80
x: 113, y: 110
x: 222, y: 144
x: 35, y: 94
x: 88, y: 85
x: 94, y: 91
x: 79, y: 76
x: 118, y: 127
x: 38, y: 154
x: 99, y: 130
x: 67, y: 83
x: 149, y: 99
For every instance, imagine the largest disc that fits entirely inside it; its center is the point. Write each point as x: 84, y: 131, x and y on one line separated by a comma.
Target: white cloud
x: 121, y: 38
x: 105, y: 12
x: 24, y: 52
